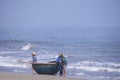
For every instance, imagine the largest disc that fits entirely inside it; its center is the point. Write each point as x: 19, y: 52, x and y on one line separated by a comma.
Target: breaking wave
x: 96, y: 66
x: 27, y: 46
x: 12, y: 62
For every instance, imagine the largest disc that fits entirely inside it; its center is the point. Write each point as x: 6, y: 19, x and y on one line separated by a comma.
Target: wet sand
x: 25, y: 76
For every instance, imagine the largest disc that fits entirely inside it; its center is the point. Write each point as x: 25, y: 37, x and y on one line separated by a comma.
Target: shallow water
x: 86, y: 60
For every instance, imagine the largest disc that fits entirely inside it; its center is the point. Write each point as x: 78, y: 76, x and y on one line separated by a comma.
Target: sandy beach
x: 25, y: 76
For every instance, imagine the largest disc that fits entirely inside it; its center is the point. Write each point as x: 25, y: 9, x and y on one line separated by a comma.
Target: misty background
x: 42, y: 19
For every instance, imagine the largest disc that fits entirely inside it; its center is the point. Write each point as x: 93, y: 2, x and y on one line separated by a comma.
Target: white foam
x: 11, y: 62
x: 43, y: 51
x: 109, y: 64
x: 27, y: 47
x: 5, y: 64
x: 8, y: 52
x: 79, y: 74
x: 95, y: 66
x: 19, y: 71
x: 102, y: 77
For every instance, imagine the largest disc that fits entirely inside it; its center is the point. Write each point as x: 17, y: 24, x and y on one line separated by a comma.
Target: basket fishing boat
x: 46, y: 68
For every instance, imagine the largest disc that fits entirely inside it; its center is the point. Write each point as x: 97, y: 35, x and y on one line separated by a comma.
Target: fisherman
x: 61, y: 62
x: 64, y: 64
x: 34, y: 60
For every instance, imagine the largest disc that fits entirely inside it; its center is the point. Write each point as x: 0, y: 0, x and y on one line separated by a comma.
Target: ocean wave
x: 8, y: 52
x: 96, y: 66
x: 12, y: 62
x: 117, y: 78
x: 19, y: 71
x: 11, y: 41
x: 7, y: 64
x: 102, y: 77
x: 88, y: 68
x: 90, y: 63
x: 105, y: 78
x: 27, y: 46
x: 80, y: 74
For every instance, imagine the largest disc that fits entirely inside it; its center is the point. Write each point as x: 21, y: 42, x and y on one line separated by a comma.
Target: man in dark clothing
x: 61, y: 64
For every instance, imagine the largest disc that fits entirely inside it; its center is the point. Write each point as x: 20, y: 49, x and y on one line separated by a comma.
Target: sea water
x: 89, y: 58
x: 86, y: 60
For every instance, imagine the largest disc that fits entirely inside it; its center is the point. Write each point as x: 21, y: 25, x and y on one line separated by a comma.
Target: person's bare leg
x: 33, y: 71
x: 64, y: 71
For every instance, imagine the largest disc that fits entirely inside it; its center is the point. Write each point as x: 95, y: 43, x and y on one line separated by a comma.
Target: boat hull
x: 45, y: 68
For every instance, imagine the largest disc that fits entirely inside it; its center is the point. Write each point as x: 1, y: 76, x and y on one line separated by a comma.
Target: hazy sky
x: 38, y: 13
x: 82, y: 18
